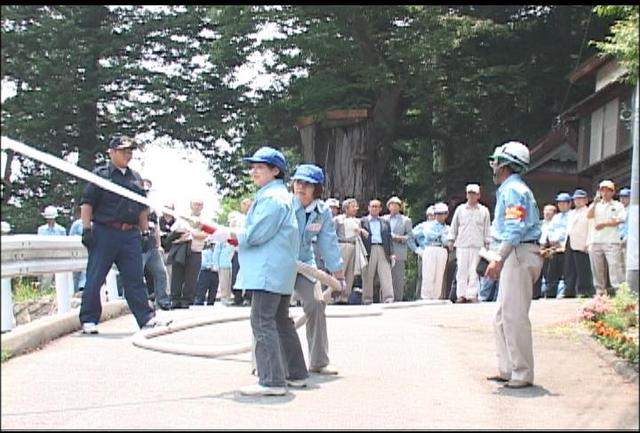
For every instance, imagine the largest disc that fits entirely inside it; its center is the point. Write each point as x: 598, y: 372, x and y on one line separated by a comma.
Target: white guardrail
x: 36, y: 255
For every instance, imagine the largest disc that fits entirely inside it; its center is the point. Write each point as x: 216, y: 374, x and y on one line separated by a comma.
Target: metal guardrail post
x: 8, y: 320
x: 63, y: 296
x: 112, y: 286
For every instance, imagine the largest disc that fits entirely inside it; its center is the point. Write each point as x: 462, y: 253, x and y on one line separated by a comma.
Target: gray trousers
x: 278, y: 352
x: 397, y: 276
x: 310, y: 295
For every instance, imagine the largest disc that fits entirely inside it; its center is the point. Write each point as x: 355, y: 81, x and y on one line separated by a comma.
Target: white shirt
x: 470, y: 226
x: 603, y: 212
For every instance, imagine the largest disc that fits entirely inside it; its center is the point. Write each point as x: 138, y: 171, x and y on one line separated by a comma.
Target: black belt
x: 375, y: 244
x: 121, y: 226
x: 535, y: 242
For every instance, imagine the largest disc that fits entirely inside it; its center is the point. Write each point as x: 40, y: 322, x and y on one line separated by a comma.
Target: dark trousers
x: 184, y: 278
x: 237, y: 294
x: 124, y: 248
x: 554, y: 271
x: 279, y: 353
x: 207, y: 287
x: 577, y: 274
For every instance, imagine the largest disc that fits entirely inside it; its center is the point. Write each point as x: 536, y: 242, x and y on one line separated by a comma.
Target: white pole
x: 8, y: 320
x: 62, y: 292
x: 112, y: 286
x: 632, y: 226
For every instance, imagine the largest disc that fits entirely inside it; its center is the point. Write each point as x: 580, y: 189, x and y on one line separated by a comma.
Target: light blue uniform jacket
x: 517, y: 218
x: 223, y: 254
x: 321, y: 229
x: 428, y: 233
x: 268, y: 246
x: 558, y: 227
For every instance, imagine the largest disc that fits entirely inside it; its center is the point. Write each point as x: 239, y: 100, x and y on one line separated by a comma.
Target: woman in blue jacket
x: 267, y: 250
x: 316, y: 227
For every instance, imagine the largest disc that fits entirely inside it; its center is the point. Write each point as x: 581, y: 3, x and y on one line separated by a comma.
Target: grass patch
x: 6, y: 354
x: 27, y: 289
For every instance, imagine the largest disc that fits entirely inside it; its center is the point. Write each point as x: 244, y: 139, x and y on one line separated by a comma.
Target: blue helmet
x: 563, y: 196
x: 309, y: 173
x: 268, y: 155
x: 579, y: 193
x: 625, y: 192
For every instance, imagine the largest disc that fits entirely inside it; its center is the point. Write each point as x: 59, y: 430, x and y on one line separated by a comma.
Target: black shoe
x: 497, y: 378
x: 175, y: 305
x: 166, y: 306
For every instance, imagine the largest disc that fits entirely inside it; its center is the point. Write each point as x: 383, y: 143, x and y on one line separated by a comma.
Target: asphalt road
x: 408, y: 368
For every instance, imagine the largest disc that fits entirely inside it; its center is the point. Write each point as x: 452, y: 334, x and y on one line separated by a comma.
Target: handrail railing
x: 36, y: 255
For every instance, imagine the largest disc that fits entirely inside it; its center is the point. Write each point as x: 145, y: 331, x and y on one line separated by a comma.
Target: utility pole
x: 632, y: 238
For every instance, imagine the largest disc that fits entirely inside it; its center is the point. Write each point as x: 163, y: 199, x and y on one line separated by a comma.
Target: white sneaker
x: 154, y: 322
x: 258, y: 390
x: 89, y: 328
x: 327, y: 369
x: 296, y: 383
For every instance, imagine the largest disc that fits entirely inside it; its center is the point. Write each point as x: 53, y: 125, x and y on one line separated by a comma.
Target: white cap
x: 332, y: 202
x: 473, y: 187
x: 430, y: 210
x: 50, y: 212
x: 440, y: 208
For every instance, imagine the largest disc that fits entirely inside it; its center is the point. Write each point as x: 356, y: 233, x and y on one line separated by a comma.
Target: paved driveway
x: 408, y: 368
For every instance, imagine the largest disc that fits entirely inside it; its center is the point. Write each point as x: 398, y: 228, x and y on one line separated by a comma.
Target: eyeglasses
x: 128, y: 150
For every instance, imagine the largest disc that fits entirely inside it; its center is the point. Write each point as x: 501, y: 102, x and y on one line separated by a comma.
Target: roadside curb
x: 624, y: 368
x: 25, y: 338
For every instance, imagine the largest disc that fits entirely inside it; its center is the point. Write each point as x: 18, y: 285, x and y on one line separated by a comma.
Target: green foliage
x: 6, y: 354
x: 616, y: 326
x: 129, y: 69
x: 622, y: 43
x: 26, y: 289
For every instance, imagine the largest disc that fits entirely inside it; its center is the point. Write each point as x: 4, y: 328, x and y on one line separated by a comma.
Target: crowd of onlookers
x: 583, y: 244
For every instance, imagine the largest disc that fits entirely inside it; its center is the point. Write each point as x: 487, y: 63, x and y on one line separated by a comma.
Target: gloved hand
x: 220, y: 234
x: 146, y: 241
x: 87, y: 238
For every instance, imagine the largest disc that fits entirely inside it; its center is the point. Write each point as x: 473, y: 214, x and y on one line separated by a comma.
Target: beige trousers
x: 603, y: 256
x: 224, y: 284
x: 434, y: 263
x: 377, y: 263
x: 511, y: 323
x: 347, y: 251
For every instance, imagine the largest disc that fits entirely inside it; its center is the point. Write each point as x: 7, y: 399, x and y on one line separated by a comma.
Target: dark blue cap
x: 579, y: 193
x: 121, y: 142
x: 563, y: 196
x: 625, y: 192
x: 268, y: 155
x: 309, y: 173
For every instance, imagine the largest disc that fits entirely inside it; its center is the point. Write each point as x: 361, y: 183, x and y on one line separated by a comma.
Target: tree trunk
x: 354, y: 153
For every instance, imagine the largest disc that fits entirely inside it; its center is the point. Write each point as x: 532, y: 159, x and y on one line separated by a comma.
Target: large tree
x: 83, y: 73
x: 442, y: 86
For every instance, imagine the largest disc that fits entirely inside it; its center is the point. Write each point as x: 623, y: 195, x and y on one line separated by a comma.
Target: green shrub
x: 26, y: 289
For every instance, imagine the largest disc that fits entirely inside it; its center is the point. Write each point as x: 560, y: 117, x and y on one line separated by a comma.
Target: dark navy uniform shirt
x: 109, y: 207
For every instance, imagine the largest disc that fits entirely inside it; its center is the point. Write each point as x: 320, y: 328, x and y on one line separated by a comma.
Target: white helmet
x: 50, y: 212
x: 430, y: 210
x: 511, y: 153
x: 440, y: 208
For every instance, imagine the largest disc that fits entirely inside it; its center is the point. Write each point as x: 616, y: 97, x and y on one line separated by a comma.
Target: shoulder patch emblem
x: 516, y: 212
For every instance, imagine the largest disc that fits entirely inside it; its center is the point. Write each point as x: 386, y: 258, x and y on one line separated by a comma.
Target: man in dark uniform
x: 119, y: 227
